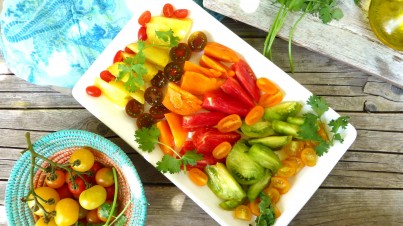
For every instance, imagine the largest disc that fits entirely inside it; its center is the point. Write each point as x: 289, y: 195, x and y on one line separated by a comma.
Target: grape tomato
x: 168, y: 10
x: 93, y: 91
x: 181, y: 13
x: 142, y: 34
x: 144, y: 18
x: 134, y: 108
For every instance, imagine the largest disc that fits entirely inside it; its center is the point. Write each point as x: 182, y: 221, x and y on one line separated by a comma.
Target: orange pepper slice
x: 198, y: 84
x: 212, y: 73
x: 175, y: 124
x: 208, y: 62
x: 181, y: 101
x: 220, y: 52
x: 165, y: 137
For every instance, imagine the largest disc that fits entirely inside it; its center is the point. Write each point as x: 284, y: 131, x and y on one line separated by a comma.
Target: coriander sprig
x: 133, y: 67
x: 309, y: 129
x: 147, y: 138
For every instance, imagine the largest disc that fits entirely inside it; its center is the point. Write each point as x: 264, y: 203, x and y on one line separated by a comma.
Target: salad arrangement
x: 212, y: 117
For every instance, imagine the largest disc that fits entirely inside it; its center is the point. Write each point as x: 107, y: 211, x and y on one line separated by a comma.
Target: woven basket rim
x: 18, y: 212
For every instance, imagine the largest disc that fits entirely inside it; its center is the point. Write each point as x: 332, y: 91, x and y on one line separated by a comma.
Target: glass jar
x: 386, y: 20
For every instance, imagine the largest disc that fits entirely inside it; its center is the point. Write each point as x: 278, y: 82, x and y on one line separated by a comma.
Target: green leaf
x: 147, y: 138
x: 121, y: 221
x: 325, y: 15
x: 169, y: 164
x: 322, y: 148
x: 168, y: 36
x: 308, y: 130
x: 105, y: 209
x: 340, y: 122
x: 191, y: 158
x: 266, y: 217
x: 318, y: 104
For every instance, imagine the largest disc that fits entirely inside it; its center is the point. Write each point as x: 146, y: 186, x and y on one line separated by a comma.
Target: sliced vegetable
x: 267, y: 86
x: 197, y: 176
x: 234, y: 89
x: 247, y: 78
x: 285, y: 128
x: 206, y: 139
x: 242, y: 167
x: 254, y: 115
x: 220, y: 52
x: 229, y: 123
x: 218, y: 100
x: 259, y: 129
x: 224, y: 186
x: 209, y: 62
x: 179, y: 27
x: 222, y: 150
x: 165, y: 137
x: 309, y: 157
x: 212, y: 73
x: 265, y: 157
x: 282, y: 111
x: 255, y: 189
x: 271, y: 141
x: 179, y: 133
x: 203, y: 119
x: 242, y: 212
x: 269, y: 100
x: 157, y: 56
x: 198, y: 84
x: 180, y: 101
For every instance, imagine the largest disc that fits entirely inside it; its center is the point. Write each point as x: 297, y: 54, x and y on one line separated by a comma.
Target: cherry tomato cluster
x: 78, y: 195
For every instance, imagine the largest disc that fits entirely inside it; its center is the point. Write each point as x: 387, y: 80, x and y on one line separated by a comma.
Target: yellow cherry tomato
x: 41, y: 222
x: 93, y: 197
x: 45, y: 194
x: 85, y: 159
x: 66, y: 212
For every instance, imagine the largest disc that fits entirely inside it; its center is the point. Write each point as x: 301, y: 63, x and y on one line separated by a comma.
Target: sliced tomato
x: 218, y: 100
x: 206, y: 139
x: 247, y: 78
x: 204, y: 119
x: 233, y: 88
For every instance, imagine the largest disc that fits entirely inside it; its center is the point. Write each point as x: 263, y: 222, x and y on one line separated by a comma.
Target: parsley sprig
x: 308, y: 130
x: 266, y: 208
x: 326, y: 10
x: 133, y: 67
x: 147, y: 138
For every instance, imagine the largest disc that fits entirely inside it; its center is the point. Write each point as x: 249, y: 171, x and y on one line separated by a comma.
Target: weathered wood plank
x: 386, y: 90
x: 326, y: 207
x: 349, y: 40
x: 37, y: 100
x: 11, y: 83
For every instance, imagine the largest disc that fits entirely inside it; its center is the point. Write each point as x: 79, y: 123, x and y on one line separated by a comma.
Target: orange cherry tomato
x: 281, y: 184
x: 242, y: 212
x: 92, y: 217
x: 309, y: 157
x: 266, y: 86
x: 254, y: 207
x: 294, y: 162
x: 104, y: 177
x: 229, y: 123
x: 277, y: 212
x: 286, y: 171
x: 57, y: 180
x: 168, y: 10
x: 93, y: 91
x: 268, y: 100
x: 198, y: 177
x: 144, y: 18
x: 254, y: 115
x: 273, y: 194
x: 222, y: 150
x: 181, y: 13
x: 294, y: 148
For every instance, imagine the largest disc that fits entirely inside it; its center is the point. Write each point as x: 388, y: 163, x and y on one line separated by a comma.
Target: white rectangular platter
x: 303, y: 186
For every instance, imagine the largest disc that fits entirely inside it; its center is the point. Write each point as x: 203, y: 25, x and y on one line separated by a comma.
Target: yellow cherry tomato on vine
x: 93, y: 197
x: 67, y: 211
x: 45, y: 194
x: 84, y: 157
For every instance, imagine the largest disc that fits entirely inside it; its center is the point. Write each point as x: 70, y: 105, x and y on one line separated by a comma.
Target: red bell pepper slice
x: 204, y: 119
x: 247, y: 78
x: 206, y: 139
x: 208, y: 159
x: 218, y: 100
x: 233, y: 88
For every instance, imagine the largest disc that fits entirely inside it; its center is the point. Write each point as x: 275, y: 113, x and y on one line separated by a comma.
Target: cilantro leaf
x: 337, y: 14
x: 147, y: 138
x: 121, y: 221
x: 318, y: 104
x: 168, y: 36
x: 335, y: 125
x: 308, y: 130
x: 322, y: 148
x: 169, y: 164
x: 266, y: 217
x: 191, y: 158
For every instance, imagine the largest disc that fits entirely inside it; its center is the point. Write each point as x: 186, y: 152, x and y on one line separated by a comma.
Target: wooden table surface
x: 365, y: 187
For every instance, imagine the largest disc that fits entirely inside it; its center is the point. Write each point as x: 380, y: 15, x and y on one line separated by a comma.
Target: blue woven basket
x: 65, y: 142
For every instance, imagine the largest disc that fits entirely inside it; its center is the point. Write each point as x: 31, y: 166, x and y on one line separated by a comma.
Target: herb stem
x: 115, y: 196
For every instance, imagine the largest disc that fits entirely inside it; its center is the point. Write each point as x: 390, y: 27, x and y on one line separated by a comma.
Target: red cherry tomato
x: 118, y: 56
x: 92, y: 217
x: 142, y: 34
x: 168, y: 10
x: 144, y: 18
x: 110, y: 192
x: 106, y: 76
x: 64, y: 192
x: 97, y: 166
x: 93, y: 91
x: 80, y: 186
x: 181, y: 13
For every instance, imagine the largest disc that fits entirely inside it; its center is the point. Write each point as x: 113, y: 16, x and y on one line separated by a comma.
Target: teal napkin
x: 53, y: 42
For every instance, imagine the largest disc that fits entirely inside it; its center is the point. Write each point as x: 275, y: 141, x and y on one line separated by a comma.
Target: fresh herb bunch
x: 312, y: 121
x: 147, y: 138
x: 134, y: 68
x: 325, y: 9
x: 266, y: 208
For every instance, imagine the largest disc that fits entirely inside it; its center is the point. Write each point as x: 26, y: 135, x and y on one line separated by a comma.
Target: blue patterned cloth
x: 53, y: 42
